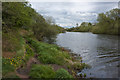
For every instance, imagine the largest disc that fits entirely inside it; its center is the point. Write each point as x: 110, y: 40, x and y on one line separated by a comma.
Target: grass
x: 42, y: 71
x: 6, y: 67
x: 10, y: 64
x: 45, y: 71
x: 12, y: 41
x: 49, y: 53
x: 29, y: 53
x: 62, y: 73
x: 52, y: 54
x: 17, y: 45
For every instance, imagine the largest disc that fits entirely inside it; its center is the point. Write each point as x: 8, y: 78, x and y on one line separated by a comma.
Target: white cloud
x: 68, y: 14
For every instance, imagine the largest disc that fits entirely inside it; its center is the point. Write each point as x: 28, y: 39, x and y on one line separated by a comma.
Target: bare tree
x: 50, y: 20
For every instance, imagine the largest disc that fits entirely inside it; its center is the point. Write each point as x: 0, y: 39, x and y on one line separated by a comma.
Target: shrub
x: 48, y: 53
x: 42, y: 71
x: 62, y: 73
x: 51, y: 59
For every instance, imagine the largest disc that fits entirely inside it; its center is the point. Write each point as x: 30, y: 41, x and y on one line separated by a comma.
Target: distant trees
x: 108, y: 23
x: 84, y: 27
x: 76, y: 24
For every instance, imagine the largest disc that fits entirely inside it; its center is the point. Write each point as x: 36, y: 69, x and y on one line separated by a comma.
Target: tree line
x: 107, y: 23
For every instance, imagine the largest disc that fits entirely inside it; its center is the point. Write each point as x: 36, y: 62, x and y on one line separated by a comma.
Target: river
x: 98, y: 50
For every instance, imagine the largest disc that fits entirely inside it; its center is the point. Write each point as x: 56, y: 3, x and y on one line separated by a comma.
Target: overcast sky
x: 73, y: 0
x: 67, y: 14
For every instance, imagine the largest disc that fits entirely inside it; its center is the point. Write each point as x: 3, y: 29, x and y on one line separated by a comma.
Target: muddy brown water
x: 98, y: 50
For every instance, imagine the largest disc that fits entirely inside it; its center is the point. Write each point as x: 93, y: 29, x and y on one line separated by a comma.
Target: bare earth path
x: 23, y: 73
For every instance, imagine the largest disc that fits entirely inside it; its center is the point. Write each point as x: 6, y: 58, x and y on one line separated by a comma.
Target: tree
x: 20, y: 15
x: 50, y: 20
x: 17, y: 14
x: 76, y: 24
x: 108, y: 23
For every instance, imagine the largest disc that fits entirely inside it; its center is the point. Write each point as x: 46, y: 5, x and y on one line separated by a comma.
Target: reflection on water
x: 99, y: 51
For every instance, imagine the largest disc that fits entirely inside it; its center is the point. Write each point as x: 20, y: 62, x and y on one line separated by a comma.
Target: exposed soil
x: 24, y: 72
x: 8, y: 54
x: 56, y: 67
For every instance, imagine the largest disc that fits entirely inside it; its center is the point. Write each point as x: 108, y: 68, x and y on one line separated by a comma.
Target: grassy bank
x: 38, y: 59
x: 24, y: 52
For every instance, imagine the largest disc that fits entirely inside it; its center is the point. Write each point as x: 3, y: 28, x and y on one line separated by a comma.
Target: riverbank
x: 94, y: 31
x: 96, y: 50
x: 107, y: 23
x: 39, y: 59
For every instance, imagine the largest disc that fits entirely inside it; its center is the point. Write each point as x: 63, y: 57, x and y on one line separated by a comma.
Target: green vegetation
x: 108, y: 23
x: 21, y: 16
x: 49, y: 53
x: 62, y: 73
x: 16, y: 14
x: 12, y: 41
x: 24, y: 34
x: 42, y: 71
x: 29, y: 53
x: 84, y: 27
x: 9, y: 65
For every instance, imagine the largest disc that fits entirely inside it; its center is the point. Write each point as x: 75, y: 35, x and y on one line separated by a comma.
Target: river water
x: 98, y: 50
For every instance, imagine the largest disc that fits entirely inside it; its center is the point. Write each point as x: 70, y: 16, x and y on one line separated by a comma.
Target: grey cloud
x: 68, y: 14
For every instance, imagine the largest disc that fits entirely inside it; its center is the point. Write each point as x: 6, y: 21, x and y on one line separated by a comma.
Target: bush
x: 48, y: 58
x: 44, y: 31
x: 108, y: 22
x: 17, y: 14
x: 62, y: 73
x: 48, y: 53
x: 42, y: 71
